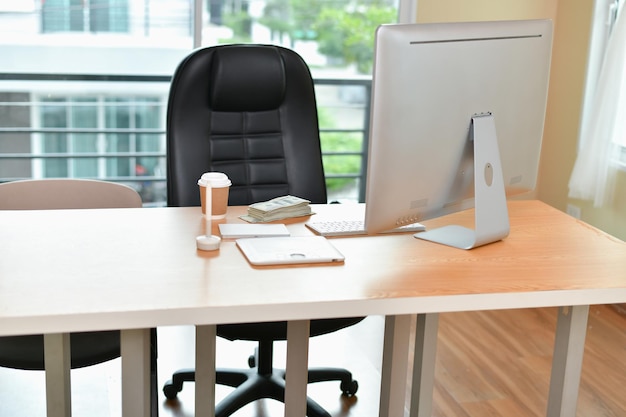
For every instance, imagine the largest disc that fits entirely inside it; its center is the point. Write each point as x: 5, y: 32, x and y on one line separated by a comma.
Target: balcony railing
x: 79, y: 135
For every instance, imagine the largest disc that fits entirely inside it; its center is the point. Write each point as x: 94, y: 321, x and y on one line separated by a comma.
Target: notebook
x: 289, y: 250
x: 241, y: 230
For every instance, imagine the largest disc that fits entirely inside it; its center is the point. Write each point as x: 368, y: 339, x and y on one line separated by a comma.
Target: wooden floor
x: 494, y: 363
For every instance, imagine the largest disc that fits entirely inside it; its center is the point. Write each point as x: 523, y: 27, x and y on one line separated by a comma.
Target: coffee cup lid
x: 216, y: 179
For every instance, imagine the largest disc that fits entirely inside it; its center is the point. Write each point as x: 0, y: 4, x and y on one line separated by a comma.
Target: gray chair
x: 66, y: 193
x: 249, y: 111
x: 87, y: 348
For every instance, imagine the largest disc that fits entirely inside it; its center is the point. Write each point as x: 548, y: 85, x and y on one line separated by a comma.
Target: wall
x: 563, y: 129
x: 572, y: 24
x: 473, y: 10
x: 611, y: 219
x: 561, y: 132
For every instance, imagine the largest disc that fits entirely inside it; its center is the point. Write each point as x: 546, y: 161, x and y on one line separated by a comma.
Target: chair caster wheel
x: 349, y: 388
x: 170, y: 391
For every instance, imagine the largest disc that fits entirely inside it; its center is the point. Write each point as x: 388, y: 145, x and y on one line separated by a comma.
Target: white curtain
x: 594, y: 171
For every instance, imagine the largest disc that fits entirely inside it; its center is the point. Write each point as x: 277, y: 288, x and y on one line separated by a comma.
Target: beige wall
x: 610, y: 219
x: 572, y: 23
x: 473, y: 10
x: 569, y: 60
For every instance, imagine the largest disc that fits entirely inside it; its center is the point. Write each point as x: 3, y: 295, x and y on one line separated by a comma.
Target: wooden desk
x: 132, y: 269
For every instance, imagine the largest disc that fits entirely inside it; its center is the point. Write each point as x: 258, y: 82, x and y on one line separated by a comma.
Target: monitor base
x: 491, y: 212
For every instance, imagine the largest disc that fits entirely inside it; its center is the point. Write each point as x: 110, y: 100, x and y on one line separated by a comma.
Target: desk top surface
x: 73, y: 270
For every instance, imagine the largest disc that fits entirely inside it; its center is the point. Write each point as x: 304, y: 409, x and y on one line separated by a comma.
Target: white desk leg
x: 395, y: 366
x: 205, y: 371
x: 58, y: 385
x: 567, y: 361
x: 424, y: 365
x: 135, y: 350
x: 297, y: 374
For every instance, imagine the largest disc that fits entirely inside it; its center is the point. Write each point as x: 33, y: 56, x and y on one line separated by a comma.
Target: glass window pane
x: 329, y: 34
x: 109, y: 15
x: 122, y: 53
x: 15, y: 112
x: 84, y: 114
x: 148, y: 116
x: 55, y: 16
x: 117, y: 116
x: 54, y: 115
x: 336, y: 40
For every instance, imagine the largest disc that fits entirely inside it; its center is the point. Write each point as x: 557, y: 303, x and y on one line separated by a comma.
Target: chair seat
x: 89, y: 348
x: 278, y: 330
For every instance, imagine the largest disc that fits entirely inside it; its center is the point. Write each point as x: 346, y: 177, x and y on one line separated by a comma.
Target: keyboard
x: 354, y: 227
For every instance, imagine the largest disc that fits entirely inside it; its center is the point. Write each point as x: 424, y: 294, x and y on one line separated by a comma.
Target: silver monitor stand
x: 491, y: 212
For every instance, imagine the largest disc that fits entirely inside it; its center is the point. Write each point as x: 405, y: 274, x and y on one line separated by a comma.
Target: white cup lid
x: 216, y: 179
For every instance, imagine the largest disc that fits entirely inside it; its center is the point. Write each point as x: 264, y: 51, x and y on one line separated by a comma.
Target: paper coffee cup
x: 220, y: 185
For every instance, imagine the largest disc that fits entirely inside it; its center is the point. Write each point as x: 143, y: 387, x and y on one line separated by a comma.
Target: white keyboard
x: 354, y: 227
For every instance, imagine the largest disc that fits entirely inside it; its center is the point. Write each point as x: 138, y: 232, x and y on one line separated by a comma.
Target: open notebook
x: 289, y: 250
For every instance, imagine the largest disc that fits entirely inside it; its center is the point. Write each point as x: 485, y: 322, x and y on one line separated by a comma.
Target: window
x: 84, y: 83
x: 114, y: 138
x: 84, y: 16
x: 603, y: 134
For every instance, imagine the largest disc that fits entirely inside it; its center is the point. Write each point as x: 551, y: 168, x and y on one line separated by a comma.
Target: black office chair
x: 87, y: 348
x: 249, y: 111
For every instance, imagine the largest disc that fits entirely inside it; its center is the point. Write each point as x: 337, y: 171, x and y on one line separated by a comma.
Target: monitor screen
x: 449, y: 100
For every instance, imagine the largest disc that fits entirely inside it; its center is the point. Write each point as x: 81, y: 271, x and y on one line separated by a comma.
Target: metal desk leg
x: 395, y: 366
x: 205, y: 371
x: 424, y: 365
x: 57, y: 361
x: 567, y: 361
x: 135, y: 351
x: 296, y: 376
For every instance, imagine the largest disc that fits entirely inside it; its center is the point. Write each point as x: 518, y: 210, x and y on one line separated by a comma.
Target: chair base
x: 253, y: 385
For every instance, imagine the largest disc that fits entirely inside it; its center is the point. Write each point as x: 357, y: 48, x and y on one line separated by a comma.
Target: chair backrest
x: 66, y: 193
x: 248, y: 111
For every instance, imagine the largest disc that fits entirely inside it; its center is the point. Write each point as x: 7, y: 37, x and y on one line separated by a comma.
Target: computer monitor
x: 452, y: 102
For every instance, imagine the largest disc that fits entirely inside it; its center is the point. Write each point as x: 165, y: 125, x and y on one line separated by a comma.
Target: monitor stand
x: 491, y: 213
